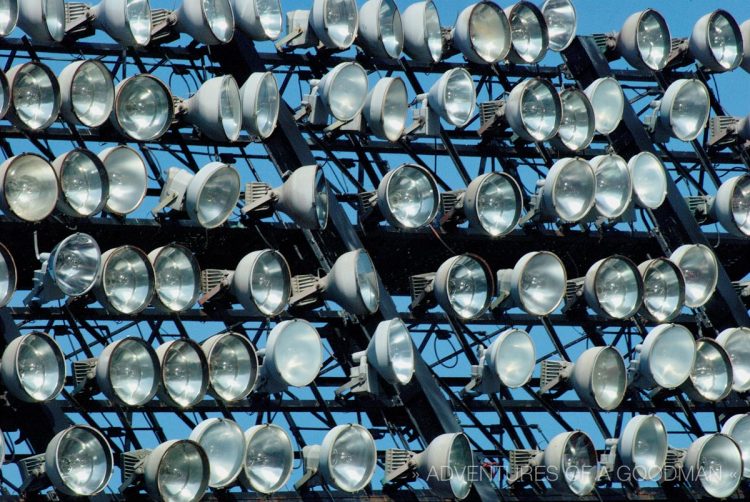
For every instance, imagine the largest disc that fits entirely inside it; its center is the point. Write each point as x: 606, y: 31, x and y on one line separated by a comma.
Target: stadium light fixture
x: 127, y: 372
x: 33, y: 367
x: 725, y: 458
x: 176, y: 277
x: 608, y: 102
x: 207, y: 21
x: 738, y: 428
x: 614, y: 185
x: 736, y: 342
x: 711, y: 377
x: 730, y: 207
x: 641, y: 449
x: 292, y: 357
x: 232, y: 366
x: 84, y: 185
x: 128, y: 180
x: 577, y: 121
x: 561, y: 19
x: 663, y: 289
x: 568, y: 193
x: 34, y: 95
x: 87, y: 93
x: 5, y: 96
x: 533, y: 110
x: 381, y: 32
x: 224, y: 444
x: 42, y: 20
x: 700, y: 268
x: 423, y: 40
x: 529, y: 33
x: 260, y: 100
x: 259, y: 19
x: 682, y: 112
x: 613, y: 287
x: 330, y: 23
x: 8, y: 276
x: 644, y: 40
x: 8, y: 17
x: 269, y: 458
x: 483, y: 33
x: 386, y: 108
x: 665, y: 359
x: 215, y: 109
x: 716, y: 41
x: 407, y: 197
x: 536, y: 284
x: 649, y: 177
x: 508, y: 362
x: 452, y: 98
x: 125, y: 282
x: 184, y: 373
x: 126, y: 21
x: 341, y: 94
x: 29, y: 188
x: 144, y: 108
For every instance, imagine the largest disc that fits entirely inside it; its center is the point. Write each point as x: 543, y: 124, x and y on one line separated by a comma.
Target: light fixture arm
x: 363, y: 380
x: 422, y: 287
x: 174, y: 190
x: 133, y: 468
x: 84, y: 375
x: 33, y: 473
x: 426, y: 121
x: 400, y: 467
x: 259, y: 198
x: 554, y: 374
x: 311, y: 464
x: 44, y: 288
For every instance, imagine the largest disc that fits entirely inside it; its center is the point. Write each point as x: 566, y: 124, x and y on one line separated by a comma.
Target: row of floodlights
x: 668, y: 359
x: 129, y: 372
x: 140, y: 107
x: 218, y: 454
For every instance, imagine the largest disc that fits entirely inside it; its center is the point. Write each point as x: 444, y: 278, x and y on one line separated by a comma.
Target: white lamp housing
x: 508, y: 362
x: 34, y: 95
x: 536, y: 284
x: 269, y: 458
x: 700, y: 268
x: 33, y: 367
x: 534, y: 110
x: 79, y: 461
x: 8, y: 276
x: 154, y: 114
x: 613, y: 287
x: 614, y: 186
x: 561, y: 19
x: 126, y: 21
x: 608, y: 102
x: 649, y: 177
x: 731, y: 206
x: 683, y: 110
x: 569, y: 191
x: 736, y: 342
x: 381, y: 33
x: 352, y: 283
x: 723, y: 454
x: 716, y: 41
x: 599, y: 378
x: 207, y: 21
x: 176, y: 277
x: 232, y: 366
x: 663, y: 289
x: 224, y: 444
x: 644, y: 40
x: 42, y: 20
x: 408, y: 197
x: 483, y: 33
x: 184, y: 373
x: 391, y: 352
x: 87, y: 93
x: 463, y: 286
x: 335, y: 22
x: 386, y: 108
x: 453, y: 96
x: 341, y: 92
x: 8, y: 17
x: 128, y: 179
x: 84, y: 185
x: 127, y: 372
x: 529, y: 33
x: 259, y: 19
x: 493, y: 203
x: 260, y: 100
x: 262, y: 282
x: 423, y: 40
x: 665, y: 358
x: 711, y: 378
x: 292, y: 357
x: 29, y: 188
x: 642, y: 447
x: 738, y: 428
x: 176, y: 470
x: 125, y: 282
x: 215, y: 109
x: 446, y: 465
x: 578, y: 120
x: 573, y: 458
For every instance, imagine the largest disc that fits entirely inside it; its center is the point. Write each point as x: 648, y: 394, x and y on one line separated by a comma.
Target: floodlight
x: 126, y: 21
x: 260, y: 100
x: 608, y: 102
x: 614, y: 186
x: 572, y: 457
x: 578, y: 120
x: 8, y: 17
x: 492, y: 203
x: 207, y: 21
x: 215, y: 109
x: 745, y: 32
x: 292, y: 357
x: 128, y: 180
x: 560, y: 16
x: 262, y: 282
x: 303, y: 197
x: 184, y: 373
x: 463, y: 286
x: 714, y: 462
x: 613, y: 287
x: 683, y: 110
x: 224, y: 444
x: 259, y: 19
x: 386, y: 108
x: 34, y: 95
x: 642, y: 446
x: 663, y: 289
x: 87, y: 93
x: 345, y: 459
x: 269, y: 458
x: 534, y: 110
x: 644, y: 40
x: 127, y: 372
x: 649, y: 179
x: 84, y: 185
x: 665, y: 358
x: 335, y: 22
x: 33, y: 367
x: 738, y: 428
x: 232, y: 366
x: 736, y: 342
x: 569, y: 191
x: 716, y: 41
x: 391, y: 352
x: 352, y: 283
x: 483, y: 33
x: 209, y: 196
x: 5, y: 96
x: 451, y: 453
x: 599, y: 378
x: 423, y: 40
x: 176, y: 471
x: 29, y: 187
x: 125, y: 283
x: 8, y: 275
x: 42, y: 20
x: 408, y: 197
x: 528, y: 33
x: 343, y: 90
x: 78, y: 461
x: 537, y: 283
x: 700, y: 269
x: 381, y: 32
x: 711, y: 377
x: 143, y: 108
x: 176, y: 277
x: 731, y: 206
x: 453, y: 96
x: 508, y: 362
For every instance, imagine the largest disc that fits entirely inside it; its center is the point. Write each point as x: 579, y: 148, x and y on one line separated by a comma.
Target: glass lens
x: 231, y: 368
x: 459, y: 98
x: 719, y: 466
x: 138, y: 18
x: 340, y: 18
x: 700, y: 270
x: 216, y: 199
x: 488, y: 33
x: 741, y: 434
x: 542, y: 284
x: 367, y: 282
x: 267, y: 106
x: 54, y: 17
x: 527, y: 33
x: 672, y: 356
x: 128, y: 181
x: 132, y: 373
x: 738, y: 347
x: 75, y: 264
x: 515, y: 359
x: 270, y: 15
x: 348, y: 91
x: 92, y: 94
x: 613, y: 186
x: 269, y: 283
x: 298, y: 353
x: 661, y: 291
x: 576, y: 128
x: 8, y: 16
x: 740, y: 204
x: 7, y: 279
x: 460, y: 462
x: 561, y: 23
x: 224, y: 445
x: 220, y: 19
x: 33, y: 97
x: 573, y: 190
x: 649, y: 448
x: 127, y: 281
x: 268, y: 461
x: 653, y: 40
x: 230, y: 108
x: 395, y: 110
x: 40, y: 367
x: 724, y: 41
x: 498, y: 206
x: 608, y: 103
x: 81, y: 183
x: 617, y: 288
x: 351, y: 459
x: 433, y: 36
x: 710, y: 375
x: 391, y: 31
x: 468, y: 287
x: 649, y: 179
x: 82, y: 462
x: 181, y: 473
x: 176, y: 274
x: 540, y: 110
x: 579, y: 464
x: 608, y: 379
x: 31, y: 187
x: 143, y: 108
x: 400, y: 352
x: 182, y: 374
x: 412, y: 197
x: 689, y: 110
x: 321, y: 199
